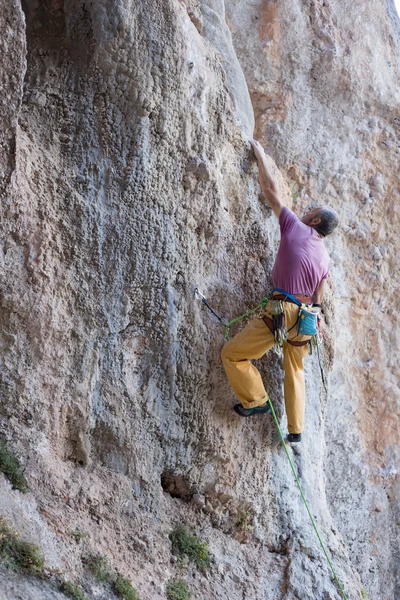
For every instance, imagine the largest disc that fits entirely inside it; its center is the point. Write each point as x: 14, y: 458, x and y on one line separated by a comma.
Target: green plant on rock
x: 78, y: 535
x: 17, y: 554
x: 72, y: 590
x: 11, y: 466
x: 185, y: 544
x: 123, y: 588
x: 99, y: 567
x: 244, y: 520
x: 177, y: 589
x: 364, y: 593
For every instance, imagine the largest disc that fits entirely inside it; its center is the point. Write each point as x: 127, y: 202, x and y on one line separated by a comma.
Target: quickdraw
x: 278, y: 325
x: 315, y: 343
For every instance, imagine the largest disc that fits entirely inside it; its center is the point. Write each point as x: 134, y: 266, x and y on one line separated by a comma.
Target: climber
x: 301, y: 268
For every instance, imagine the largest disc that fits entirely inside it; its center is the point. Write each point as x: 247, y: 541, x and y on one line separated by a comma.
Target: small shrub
x: 78, y: 535
x: 11, y: 466
x: 72, y: 590
x: 364, y: 593
x: 99, y: 567
x: 124, y: 588
x: 177, y: 589
x: 244, y: 520
x: 186, y: 544
x: 17, y: 554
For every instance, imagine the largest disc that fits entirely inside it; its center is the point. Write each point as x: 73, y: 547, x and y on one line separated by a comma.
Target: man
x: 301, y: 268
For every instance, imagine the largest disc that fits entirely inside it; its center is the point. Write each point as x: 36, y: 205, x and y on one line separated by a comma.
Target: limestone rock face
x: 126, y: 181
x: 325, y: 88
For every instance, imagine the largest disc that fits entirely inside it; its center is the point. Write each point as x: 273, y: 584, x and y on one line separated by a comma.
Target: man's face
x: 310, y: 218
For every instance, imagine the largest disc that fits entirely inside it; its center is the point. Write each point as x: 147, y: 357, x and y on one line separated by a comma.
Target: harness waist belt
x: 304, y: 299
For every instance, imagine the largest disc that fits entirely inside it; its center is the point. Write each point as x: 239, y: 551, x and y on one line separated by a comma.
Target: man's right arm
x: 319, y: 293
x: 267, y: 183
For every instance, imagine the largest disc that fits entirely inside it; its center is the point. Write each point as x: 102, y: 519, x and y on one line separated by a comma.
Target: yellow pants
x: 252, y: 343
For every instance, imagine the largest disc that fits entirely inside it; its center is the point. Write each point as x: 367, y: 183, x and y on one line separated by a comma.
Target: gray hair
x: 329, y: 221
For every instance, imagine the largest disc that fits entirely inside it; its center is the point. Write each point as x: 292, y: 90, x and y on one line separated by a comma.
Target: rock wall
x: 324, y: 81
x: 127, y: 180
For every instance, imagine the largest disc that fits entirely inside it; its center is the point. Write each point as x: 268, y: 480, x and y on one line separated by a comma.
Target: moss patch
x: 78, y: 535
x: 72, y: 590
x: 244, y: 520
x: 99, y: 567
x: 11, y: 466
x: 123, y: 588
x: 177, y: 589
x: 17, y: 554
x: 185, y: 544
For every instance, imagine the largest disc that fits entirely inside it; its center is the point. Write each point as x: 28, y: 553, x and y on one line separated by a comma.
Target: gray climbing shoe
x: 249, y: 412
x: 293, y: 438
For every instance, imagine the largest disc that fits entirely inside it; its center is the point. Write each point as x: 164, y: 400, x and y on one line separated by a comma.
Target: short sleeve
x: 287, y: 220
x: 328, y: 270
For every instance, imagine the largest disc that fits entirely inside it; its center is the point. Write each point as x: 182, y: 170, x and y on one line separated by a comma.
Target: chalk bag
x: 308, y: 322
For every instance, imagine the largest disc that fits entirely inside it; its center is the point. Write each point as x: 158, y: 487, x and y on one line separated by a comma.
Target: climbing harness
x: 307, y: 323
x: 305, y: 501
x: 276, y: 325
x: 277, y: 320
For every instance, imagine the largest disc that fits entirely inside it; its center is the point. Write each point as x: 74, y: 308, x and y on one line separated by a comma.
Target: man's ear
x: 315, y: 221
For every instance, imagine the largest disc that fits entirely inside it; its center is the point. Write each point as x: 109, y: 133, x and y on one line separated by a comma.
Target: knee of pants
x: 293, y: 363
x: 294, y: 368
x: 225, y: 352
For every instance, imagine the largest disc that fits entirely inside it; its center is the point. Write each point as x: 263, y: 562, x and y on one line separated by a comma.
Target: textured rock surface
x: 126, y: 181
x: 324, y: 80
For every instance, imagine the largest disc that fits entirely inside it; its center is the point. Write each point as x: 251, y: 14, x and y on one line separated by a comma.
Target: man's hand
x: 258, y: 149
x: 267, y: 182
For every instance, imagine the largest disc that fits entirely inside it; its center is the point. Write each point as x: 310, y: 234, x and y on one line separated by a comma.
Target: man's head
x: 323, y: 219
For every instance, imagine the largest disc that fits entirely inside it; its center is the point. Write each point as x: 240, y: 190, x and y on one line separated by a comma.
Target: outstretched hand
x: 258, y: 149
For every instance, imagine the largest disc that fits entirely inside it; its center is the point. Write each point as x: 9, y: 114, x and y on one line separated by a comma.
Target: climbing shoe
x: 293, y: 438
x: 249, y: 412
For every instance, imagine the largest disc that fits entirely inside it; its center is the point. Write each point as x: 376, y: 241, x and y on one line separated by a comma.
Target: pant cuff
x: 256, y: 402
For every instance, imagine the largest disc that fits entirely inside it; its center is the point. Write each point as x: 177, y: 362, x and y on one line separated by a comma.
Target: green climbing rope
x: 262, y: 304
x: 305, y: 501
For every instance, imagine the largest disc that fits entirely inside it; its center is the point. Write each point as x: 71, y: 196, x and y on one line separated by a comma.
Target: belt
x: 302, y: 297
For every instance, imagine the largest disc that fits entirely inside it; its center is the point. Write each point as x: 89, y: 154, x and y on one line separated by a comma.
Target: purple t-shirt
x: 302, y: 260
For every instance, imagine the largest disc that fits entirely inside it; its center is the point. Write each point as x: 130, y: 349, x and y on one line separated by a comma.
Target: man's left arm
x: 319, y: 293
